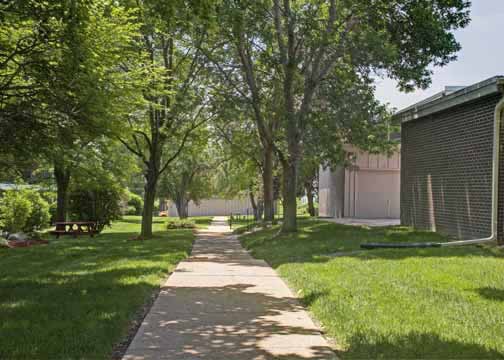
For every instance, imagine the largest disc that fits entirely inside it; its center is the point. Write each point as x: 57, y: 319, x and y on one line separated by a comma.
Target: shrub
x: 40, y: 215
x: 50, y: 197
x: 101, y: 205
x: 180, y: 224
x: 131, y: 210
x: 136, y: 202
x: 15, y: 209
x: 23, y: 210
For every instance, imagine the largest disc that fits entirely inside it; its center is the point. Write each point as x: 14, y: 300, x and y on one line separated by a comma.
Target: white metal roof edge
x: 484, y: 88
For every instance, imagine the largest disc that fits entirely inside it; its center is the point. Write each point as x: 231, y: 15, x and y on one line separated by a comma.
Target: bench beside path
x: 221, y: 303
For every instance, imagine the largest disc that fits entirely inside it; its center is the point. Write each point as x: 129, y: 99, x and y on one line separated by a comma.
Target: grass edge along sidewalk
x: 392, y: 303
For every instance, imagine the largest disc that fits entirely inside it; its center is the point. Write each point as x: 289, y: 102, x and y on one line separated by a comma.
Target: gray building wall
x: 215, y: 207
x: 368, y: 189
x: 446, y: 170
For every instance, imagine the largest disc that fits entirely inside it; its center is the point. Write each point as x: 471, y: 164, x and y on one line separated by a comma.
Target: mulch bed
x: 25, y: 243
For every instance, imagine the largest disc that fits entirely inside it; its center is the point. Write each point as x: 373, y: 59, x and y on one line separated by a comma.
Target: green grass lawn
x: 435, y: 303
x: 75, y: 298
x: 239, y: 224
x: 202, y: 222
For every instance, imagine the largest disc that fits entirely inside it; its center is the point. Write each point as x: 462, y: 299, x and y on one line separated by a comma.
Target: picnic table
x: 74, y: 228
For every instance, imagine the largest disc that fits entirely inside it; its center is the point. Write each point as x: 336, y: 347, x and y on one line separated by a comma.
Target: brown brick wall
x: 446, y: 170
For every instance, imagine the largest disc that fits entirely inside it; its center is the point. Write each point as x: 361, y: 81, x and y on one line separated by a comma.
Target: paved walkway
x: 223, y: 304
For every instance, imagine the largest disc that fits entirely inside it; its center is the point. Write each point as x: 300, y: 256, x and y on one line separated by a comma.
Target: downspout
x: 495, y: 196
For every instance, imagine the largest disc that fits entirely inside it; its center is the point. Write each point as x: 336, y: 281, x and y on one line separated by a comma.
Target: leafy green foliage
x: 181, y: 224
x: 63, y: 84
x: 175, y: 91
x: 130, y: 210
x: 289, y: 57
x: 135, y: 202
x: 39, y: 215
x: 15, y: 210
x: 97, y: 188
x: 190, y: 176
x: 23, y: 210
x: 100, y: 204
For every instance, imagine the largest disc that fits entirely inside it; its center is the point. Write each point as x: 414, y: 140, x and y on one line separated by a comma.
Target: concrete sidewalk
x: 223, y: 304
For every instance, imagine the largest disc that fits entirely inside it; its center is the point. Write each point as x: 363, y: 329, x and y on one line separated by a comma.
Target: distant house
x: 215, y: 207
x: 12, y: 186
x: 368, y: 189
x: 447, y: 161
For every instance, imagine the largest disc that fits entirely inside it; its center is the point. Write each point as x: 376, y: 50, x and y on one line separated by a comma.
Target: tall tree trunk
x: 260, y: 208
x: 162, y: 204
x: 182, y: 207
x: 290, y: 163
x: 267, y: 177
x: 62, y: 177
x: 309, y: 195
x: 253, y: 202
x: 289, y: 223
x: 149, y: 198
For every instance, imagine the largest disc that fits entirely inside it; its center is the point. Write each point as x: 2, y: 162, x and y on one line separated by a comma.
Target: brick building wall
x: 446, y: 177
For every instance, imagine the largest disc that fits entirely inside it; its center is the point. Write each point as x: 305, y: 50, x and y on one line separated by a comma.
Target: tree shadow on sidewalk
x: 239, y: 321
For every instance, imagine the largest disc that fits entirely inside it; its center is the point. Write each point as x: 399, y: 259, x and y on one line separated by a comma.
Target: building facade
x: 215, y: 207
x: 447, y: 161
x: 368, y: 189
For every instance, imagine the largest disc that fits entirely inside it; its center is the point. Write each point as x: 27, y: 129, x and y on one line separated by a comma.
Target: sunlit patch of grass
x: 432, y: 303
x: 75, y: 298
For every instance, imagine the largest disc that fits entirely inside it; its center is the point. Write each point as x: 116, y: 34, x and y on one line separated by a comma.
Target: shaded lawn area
x: 393, y: 303
x: 246, y: 223
x: 75, y: 298
x: 239, y: 225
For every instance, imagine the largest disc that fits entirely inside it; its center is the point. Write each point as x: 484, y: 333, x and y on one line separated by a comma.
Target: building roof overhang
x: 448, y: 99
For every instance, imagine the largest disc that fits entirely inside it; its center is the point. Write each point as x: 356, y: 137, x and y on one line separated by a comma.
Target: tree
x: 241, y: 177
x: 345, y: 112
x: 29, y: 34
x: 176, y: 101
x: 248, y: 83
x: 29, y: 31
x: 242, y: 168
x: 189, y: 178
x: 308, y: 183
x: 64, y: 80
x: 88, y: 84
x: 307, y: 42
x: 98, y: 184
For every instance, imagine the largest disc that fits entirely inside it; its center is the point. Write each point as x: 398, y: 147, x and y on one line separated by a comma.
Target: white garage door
x: 373, y: 194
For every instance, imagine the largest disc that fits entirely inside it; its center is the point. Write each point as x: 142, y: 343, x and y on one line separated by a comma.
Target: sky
x: 481, y: 57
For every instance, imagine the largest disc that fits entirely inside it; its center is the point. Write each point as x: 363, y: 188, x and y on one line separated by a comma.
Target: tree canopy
x: 266, y: 89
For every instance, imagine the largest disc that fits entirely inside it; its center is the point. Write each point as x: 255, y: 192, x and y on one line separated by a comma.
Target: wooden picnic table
x: 74, y: 228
